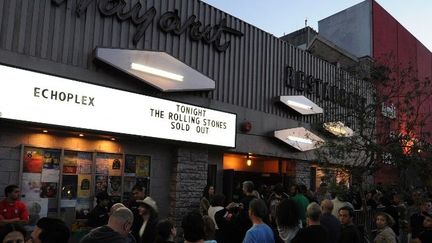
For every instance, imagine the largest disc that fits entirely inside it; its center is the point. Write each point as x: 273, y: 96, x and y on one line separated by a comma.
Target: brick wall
x: 189, y: 177
x: 303, y: 173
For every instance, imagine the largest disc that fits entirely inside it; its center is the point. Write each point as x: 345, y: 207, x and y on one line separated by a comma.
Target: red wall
x: 396, y: 47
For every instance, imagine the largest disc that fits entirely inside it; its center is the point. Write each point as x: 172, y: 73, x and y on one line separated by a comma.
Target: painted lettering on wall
x: 301, y: 82
x: 169, y: 22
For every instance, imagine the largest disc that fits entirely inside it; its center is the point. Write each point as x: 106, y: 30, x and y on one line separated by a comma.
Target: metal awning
x: 338, y: 129
x: 299, y: 138
x: 155, y: 68
x: 301, y: 104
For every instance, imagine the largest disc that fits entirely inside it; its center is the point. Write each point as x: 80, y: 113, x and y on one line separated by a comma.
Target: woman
x: 165, y: 232
x: 12, y: 233
x: 208, y: 194
x: 148, y: 211
x: 384, y: 233
x: 287, y: 220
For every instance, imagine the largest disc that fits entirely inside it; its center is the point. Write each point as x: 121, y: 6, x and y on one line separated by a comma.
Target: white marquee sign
x: 35, y: 97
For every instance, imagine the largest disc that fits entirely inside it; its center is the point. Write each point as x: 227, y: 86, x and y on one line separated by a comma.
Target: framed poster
x: 142, y: 166
x: 84, y: 186
x: 130, y: 165
x: 31, y: 186
x: 51, y: 159
x: 48, y: 190
x: 70, y: 162
x: 69, y: 187
x: 114, y: 185
x: 101, y: 183
x: 85, y: 162
x: 33, y: 160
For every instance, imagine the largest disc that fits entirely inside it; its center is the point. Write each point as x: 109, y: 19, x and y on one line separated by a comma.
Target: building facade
x: 79, y: 118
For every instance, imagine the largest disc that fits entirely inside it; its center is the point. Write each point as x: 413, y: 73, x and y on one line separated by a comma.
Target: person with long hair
x: 287, y: 220
x: 384, y: 233
x: 208, y: 194
x: 12, y: 233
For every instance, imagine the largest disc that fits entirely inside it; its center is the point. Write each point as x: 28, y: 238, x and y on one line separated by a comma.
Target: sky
x: 279, y: 17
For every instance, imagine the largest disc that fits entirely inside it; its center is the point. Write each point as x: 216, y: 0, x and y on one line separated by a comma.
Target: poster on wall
x: 114, y: 186
x: 84, y: 184
x: 33, y: 160
x: 48, y: 190
x: 130, y: 165
x: 70, y: 163
x: 101, y: 183
x: 142, y: 166
x: 102, y: 166
x: 50, y: 175
x: 31, y: 185
x: 51, y: 159
x: 114, y: 167
x: 37, y: 208
x: 84, y: 161
x: 69, y: 187
x: 82, y: 208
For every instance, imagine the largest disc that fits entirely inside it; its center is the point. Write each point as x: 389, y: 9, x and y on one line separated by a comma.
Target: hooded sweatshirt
x: 104, y: 234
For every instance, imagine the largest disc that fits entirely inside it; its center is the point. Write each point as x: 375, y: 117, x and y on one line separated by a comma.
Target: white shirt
x: 211, y: 213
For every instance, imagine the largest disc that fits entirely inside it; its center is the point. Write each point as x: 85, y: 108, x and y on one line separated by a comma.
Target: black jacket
x: 98, y: 217
x: 312, y: 234
x: 149, y: 234
x: 350, y: 234
x: 105, y: 234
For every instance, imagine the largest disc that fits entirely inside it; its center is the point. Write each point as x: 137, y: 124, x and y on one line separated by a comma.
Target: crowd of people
x: 269, y: 215
x: 298, y: 214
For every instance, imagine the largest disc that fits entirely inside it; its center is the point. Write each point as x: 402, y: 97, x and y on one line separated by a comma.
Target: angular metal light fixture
x: 338, y: 129
x: 301, y: 104
x: 299, y: 138
x: 158, y: 69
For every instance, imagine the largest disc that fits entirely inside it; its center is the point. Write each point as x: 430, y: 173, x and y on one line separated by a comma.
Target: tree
x: 391, y: 129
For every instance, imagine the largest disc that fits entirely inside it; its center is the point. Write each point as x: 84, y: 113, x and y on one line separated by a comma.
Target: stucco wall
x: 350, y: 29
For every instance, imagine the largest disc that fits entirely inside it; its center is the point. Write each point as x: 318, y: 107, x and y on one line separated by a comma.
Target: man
x: 349, y: 233
x: 396, y: 209
x: 314, y: 232
x: 98, y: 216
x: 242, y: 220
x: 50, y: 230
x: 116, y: 231
x: 259, y: 232
x: 329, y: 221
x: 115, y: 206
x: 426, y: 235
x: 138, y: 193
x: 302, y: 202
x: 12, y: 210
x: 416, y: 220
